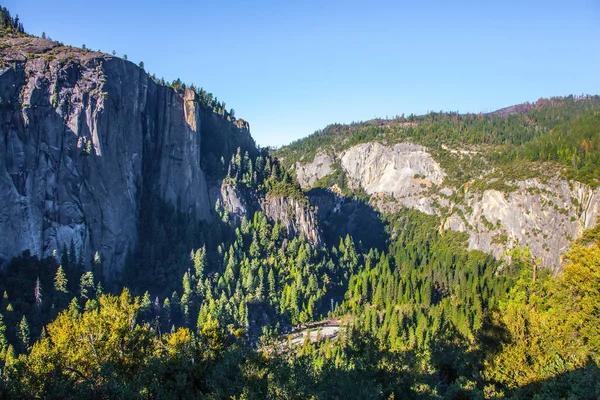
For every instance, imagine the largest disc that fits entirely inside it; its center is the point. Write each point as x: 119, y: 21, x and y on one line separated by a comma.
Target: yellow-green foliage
x: 81, y: 346
x: 553, y: 324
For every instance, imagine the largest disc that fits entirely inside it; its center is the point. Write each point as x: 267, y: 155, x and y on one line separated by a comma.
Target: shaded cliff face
x: 544, y: 214
x: 340, y: 216
x: 80, y: 134
x: 297, y: 217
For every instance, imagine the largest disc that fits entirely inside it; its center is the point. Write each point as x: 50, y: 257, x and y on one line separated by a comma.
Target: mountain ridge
x: 85, y: 131
x: 447, y: 165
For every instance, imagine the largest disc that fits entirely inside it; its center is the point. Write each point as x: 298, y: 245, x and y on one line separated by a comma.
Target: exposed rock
x: 401, y: 170
x: 81, y: 133
x: 308, y: 174
x: 237, y: 203
x: 547, y: 217
x: 297, y: 217
x: 544, y: 215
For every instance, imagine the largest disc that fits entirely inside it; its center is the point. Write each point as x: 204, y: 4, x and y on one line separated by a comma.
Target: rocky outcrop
x: 296, y: 216
x: 401, y: 170
x: 545, y: 215
x: 80, y: 134
x: 308, y: 174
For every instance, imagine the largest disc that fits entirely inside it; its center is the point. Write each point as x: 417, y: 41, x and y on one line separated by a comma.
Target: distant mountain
x: 525, y: 175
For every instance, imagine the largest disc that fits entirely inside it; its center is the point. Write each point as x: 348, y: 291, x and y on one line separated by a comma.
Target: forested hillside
x: 211, y: 293
x: 559, y: 129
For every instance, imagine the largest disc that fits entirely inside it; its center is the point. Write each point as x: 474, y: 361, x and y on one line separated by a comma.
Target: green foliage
x: 60, y: 280
x: 573, y: 144
x: 426, y: 284
x: 424, y: 318
x: 552, y: 325
x: 24, y: 334
x: 10, y: 25
x: 560, y: 132
x: 590, y: 236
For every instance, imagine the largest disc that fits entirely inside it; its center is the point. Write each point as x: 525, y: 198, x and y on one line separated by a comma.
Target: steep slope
x: 78, y: 131
x: 441, y: 165
x: 82, y: 134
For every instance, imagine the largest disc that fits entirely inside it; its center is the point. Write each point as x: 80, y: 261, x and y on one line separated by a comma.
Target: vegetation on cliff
x: 560, y: 131
x: 204, y: 309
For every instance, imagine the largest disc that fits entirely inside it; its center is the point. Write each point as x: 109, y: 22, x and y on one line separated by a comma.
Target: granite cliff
x: 82, y: 132
x: 545, y: 213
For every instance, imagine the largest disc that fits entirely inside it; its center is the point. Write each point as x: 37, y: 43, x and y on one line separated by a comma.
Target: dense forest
x: 209, y: 309
x: 424, y: 319
x: 560, y: 131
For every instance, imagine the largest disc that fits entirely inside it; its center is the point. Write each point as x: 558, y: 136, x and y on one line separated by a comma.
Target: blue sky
x: 292, y: 67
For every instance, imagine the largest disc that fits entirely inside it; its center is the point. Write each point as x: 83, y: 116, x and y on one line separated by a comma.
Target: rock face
x: 297, y: 217
x: 309, y: 174
x: 403, y: 169
x: 236, y: 203
x: 80, y: 134
x: 544, y: 215
x: 547, y: 217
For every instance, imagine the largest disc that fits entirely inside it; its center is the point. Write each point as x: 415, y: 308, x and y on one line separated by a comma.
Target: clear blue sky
x: 292, y: 67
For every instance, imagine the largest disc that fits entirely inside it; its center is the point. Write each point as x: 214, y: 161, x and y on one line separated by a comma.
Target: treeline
x: 8, y: 24
x: 207, y: 99
x: 574, y: 144
x: 540, y: 341
x: 550, y: 130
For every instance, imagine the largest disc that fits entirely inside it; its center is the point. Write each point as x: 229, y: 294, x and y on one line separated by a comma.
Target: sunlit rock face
x: 546, y: 215
x: 80, y: 135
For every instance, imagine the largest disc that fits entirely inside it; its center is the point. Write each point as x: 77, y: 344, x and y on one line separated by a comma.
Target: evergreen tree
x: 60, y: 280
x: 200, y: 263
x: 86, y: 285
x: 3, y: 343
x: 146, y: 306
x: 24, y: 334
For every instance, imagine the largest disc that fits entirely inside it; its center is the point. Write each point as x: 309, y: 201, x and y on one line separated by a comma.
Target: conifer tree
x: 60, y: 280
x: 86, y: 285
x: 200, y: 262
x: 24, y: 334
x: 146, y: 306
x: 3, y: 342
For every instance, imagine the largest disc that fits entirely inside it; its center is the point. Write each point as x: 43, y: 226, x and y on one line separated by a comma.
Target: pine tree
x: 200, y: 262
x: 3, y: 342
x: 186, y: 297
x: 60, y: 280
x: 24, y: 334
x: 272, y: 286
x: 74, y: 308
x: 146, y: 306
x: 166, y: 310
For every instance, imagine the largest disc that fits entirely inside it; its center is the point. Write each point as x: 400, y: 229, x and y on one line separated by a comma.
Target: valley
x: 150, y: 249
